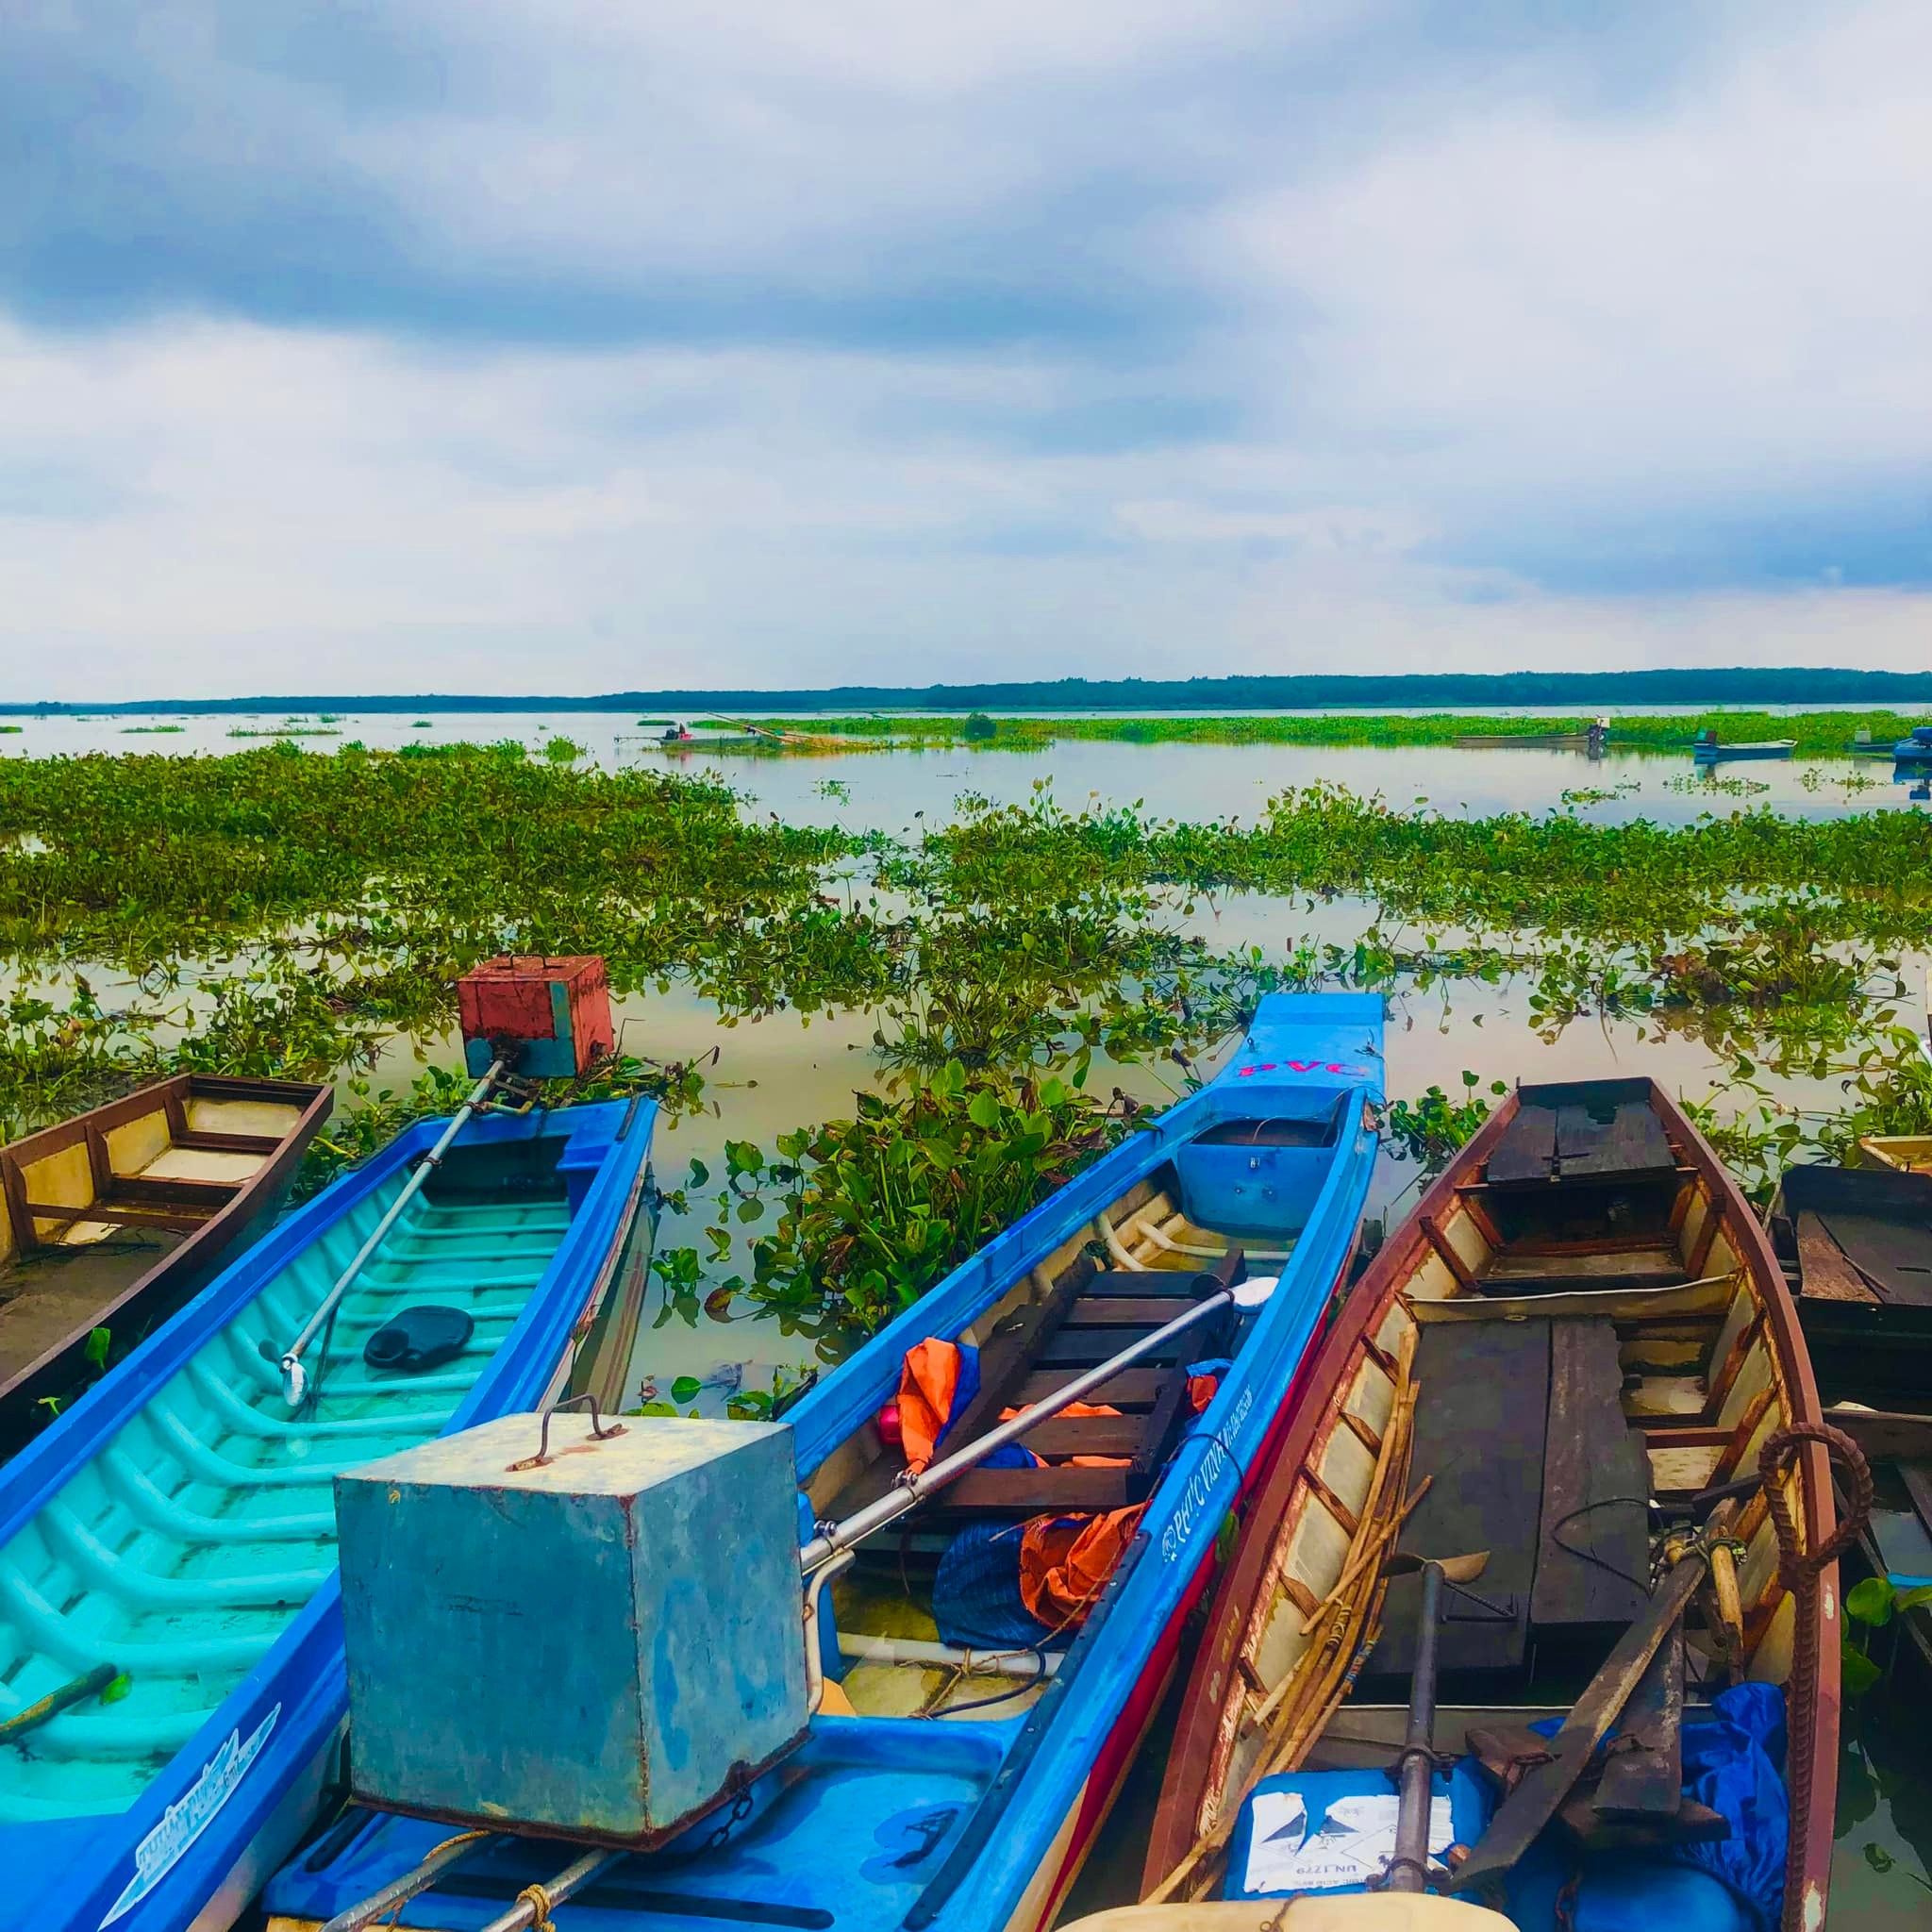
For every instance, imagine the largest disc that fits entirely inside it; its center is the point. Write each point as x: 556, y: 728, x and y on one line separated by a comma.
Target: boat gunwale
x: 202, y: 1246
x: 309, y: 1711
x: 1190, y: 1757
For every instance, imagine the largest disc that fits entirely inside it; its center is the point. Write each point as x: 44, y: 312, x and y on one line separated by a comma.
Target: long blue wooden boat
x: 941, y: 1786
x: 1707, y: 749
x: 172, y: 1534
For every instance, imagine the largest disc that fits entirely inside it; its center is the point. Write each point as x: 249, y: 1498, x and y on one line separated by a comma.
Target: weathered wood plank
x: 1893, y: 1256
x: 1117, y: 1312
x: 1071, y: 1347
x: 1827, y: 1274
x: 1594, y: 1538
x: 1087, y: 1434
x: 1526, y: 1149
x: 1537, y: 1799
x: 1170, y: 1284
x: 1134, y: 1388
x: 1643, y: 1774
x: 1600, y: 1135
x: 1028, y: 1491
x: 1480, y: 1432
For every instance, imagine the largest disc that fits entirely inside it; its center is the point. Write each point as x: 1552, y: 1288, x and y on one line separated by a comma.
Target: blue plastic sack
x: 1619, y: 1891
x: 1732, y: 1762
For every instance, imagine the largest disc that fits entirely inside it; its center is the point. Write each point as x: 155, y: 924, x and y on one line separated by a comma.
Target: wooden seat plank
x: 1593, y: 1541
x: 1479, y: 1434
x: 1088, y: 1435
x: 127, y: 1214
x: 1627, y: 1139
x: 1526, y: 1149
x: 1134, y: 1388
x: 1169, y: 1284
x: 1083, y: 1348
x: 1117, y: 1312
x: 1031, y: 1491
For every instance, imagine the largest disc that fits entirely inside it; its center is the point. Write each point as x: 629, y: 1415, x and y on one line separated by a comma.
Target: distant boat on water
x: 1706, y: 750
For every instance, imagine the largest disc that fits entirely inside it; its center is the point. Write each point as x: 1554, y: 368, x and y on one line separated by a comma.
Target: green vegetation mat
x: 277, y: 911
x: 1817, y: 733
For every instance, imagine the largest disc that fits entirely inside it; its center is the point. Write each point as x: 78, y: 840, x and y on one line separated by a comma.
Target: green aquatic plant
x: 1432, y: 1129
x: 1826, y: 734
x: 867, y: 1212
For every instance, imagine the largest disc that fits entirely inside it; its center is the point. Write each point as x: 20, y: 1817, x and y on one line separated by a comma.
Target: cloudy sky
x: 571, y: 344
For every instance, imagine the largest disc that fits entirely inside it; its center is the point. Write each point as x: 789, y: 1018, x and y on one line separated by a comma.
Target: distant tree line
x: 1739, y: 685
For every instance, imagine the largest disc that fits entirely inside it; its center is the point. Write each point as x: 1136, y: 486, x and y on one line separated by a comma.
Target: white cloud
x: 778, y: 346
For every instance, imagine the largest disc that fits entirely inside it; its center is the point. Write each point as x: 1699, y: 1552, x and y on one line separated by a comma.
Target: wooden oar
x: 1539, y: 1796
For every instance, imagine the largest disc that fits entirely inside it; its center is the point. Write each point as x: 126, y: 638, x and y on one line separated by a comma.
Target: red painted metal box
x: 551, y: 1015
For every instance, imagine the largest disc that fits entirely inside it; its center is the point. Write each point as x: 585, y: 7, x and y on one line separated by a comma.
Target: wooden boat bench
x: 1521, y: 1429
x: 1088, y: 1317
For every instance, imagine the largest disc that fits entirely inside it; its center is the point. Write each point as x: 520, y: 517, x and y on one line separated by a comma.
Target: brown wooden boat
x: 1582, y: 1316
x: 114, y: 1219
x: 1857, y: 1248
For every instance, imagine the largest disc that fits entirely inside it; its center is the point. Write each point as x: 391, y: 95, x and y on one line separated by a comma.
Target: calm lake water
x: 785, y: 1071
x: 883, y: 790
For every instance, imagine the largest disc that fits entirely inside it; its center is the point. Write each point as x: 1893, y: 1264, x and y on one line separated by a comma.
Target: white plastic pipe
x: 862, y: 1649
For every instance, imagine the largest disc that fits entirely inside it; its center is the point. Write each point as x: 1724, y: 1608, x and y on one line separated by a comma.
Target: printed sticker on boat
x: 191, y: 1814
x: 1353, y: 1844
x: 1347, y: 1068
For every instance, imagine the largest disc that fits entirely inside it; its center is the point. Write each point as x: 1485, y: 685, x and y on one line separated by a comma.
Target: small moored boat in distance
x: 171, y: 1658
x: 1707, y: 749
x: 1557, y: 1476
x: 1915, y: 749
x: 116, y: 1218
x: 1529, y: 740
x: 979, y: 1709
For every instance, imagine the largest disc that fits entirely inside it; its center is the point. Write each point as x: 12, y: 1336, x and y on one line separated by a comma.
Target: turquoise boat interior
x: 179, y: 1550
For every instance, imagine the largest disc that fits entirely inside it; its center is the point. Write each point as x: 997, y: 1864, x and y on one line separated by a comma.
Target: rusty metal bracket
x: 599, y: 1431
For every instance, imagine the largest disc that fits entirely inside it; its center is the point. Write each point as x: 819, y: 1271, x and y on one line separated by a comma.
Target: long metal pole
x: 294, y: 1378
x: 913, y: 1490
x: 418, y: 1879
x: 1408, y: 1869
x: 572, y: 1878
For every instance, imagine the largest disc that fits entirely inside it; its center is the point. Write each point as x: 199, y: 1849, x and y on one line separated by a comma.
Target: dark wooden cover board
x: 1581, y: 1129
x: 1597, y: 1477
x: 1479, y: 1436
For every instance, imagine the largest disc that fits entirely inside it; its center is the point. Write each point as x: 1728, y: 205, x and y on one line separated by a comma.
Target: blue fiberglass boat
x: 954, y: 1786
x: 1707, y: 749
x: 175, y: 1532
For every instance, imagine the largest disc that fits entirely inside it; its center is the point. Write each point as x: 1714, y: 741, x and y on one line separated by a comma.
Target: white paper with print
x: 1354, y: 1845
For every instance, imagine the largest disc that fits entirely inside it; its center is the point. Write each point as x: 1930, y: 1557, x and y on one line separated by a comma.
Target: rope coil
x: 1798, y: 1571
